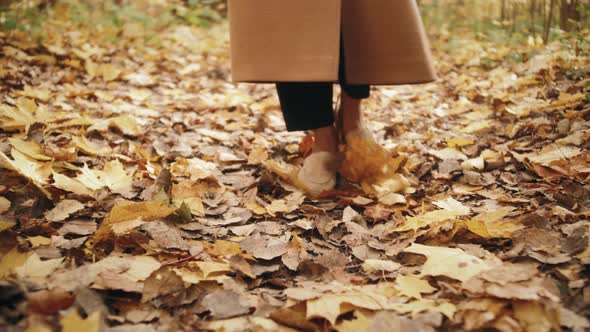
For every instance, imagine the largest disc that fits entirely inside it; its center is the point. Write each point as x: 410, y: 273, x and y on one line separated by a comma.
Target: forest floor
x: 140, y: 191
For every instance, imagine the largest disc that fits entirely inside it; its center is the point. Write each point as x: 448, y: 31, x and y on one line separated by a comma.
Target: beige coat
x: 299, y: 40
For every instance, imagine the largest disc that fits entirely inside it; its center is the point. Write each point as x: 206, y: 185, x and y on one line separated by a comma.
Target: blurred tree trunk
x: 548, y: 21
x: 503, y: 11
x: 514, y: 15
x: 532, y: 12
x: 568, y: 10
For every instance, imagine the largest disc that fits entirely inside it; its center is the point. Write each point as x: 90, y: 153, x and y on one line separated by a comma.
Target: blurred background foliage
x: 500, y: 21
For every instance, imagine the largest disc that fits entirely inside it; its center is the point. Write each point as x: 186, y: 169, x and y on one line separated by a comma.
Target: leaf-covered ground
x: 140, y: 191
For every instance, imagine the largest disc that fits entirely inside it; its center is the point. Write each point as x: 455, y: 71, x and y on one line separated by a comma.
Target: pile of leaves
x: 141, y: 191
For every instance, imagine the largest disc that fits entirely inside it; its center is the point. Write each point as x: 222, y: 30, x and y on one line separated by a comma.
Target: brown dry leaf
x: 451, y: 262
x: 240, y: 264
x: 549, y: 154
x: 225, y: 304
x: 63, y: 210
x: 136, y: 270
x: 161, y: 282
x: 270, y: 251
x: 295, y: 253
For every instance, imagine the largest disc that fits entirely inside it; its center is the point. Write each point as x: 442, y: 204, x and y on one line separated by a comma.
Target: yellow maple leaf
x: 453, y: 142
x: 367, y: 161
x: 37, y: 93
x: 195, y: 277
x: 330, y: 306
x: 14, y: 118
x: 12, y: 260
x: 428, y: 218
x: 4, y: 204
x: 446, y: 308
x: 126, y: 124
x: 4, y: 225
x: 187, y: 192
x: 492, y: 229
x: 451, y: 262
x: 221, y: 248
x: 213, y: 268
x: 74, y: 323
x: 147, y: 211
x: 37, y: 172
x: 113, y: 175
x: 88, y: 147
x: 72, y: 185
x: 412, y: 286
x: 31, y: 149
x: 37, y: 241
x: 116, y: 178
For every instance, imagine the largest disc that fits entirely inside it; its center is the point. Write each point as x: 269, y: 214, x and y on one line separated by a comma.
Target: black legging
x: 308, y: 105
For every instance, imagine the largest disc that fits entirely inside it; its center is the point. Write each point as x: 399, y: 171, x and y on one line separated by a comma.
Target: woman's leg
x: 350, y: 106
x: 308, y: 106
x: 350, y: 112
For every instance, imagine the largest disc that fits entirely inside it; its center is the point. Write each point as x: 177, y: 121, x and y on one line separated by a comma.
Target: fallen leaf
x: 36, y: 270
x: 379, y: 266
x: 74, y: 323
x: 4, y: 205
x: 428, y: 218
x: 38, y: 172
x: 4, y: 225
x: 225, y: 304
x: 37, y: 241
x: 451, y: 262
x: 412, y: 286
x: 11, y: 261
x: 63, y: 210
